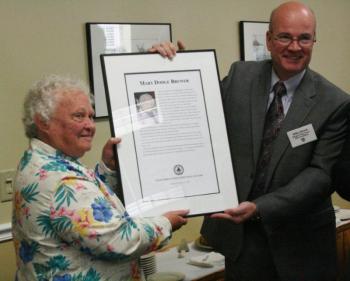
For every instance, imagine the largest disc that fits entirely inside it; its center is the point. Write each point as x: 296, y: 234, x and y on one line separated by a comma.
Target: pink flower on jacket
x: 42, y: 174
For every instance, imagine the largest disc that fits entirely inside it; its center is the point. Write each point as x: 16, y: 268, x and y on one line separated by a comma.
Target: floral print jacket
x: 68, y: 224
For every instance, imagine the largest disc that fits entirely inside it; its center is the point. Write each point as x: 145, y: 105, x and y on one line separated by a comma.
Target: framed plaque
x: 174, y: 152
x: 108, y: 38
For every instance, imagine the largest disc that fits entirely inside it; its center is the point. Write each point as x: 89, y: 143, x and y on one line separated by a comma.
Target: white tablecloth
x: 169, y: 261
x: 342, y: 216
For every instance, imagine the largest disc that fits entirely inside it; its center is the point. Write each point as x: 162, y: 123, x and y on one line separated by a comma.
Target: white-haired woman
x: 68, y: 224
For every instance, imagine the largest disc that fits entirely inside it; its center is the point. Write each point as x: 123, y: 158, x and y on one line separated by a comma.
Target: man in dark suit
x: 284, y: 143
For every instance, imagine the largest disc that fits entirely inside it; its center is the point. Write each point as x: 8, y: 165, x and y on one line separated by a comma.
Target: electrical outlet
x: 7, y: 178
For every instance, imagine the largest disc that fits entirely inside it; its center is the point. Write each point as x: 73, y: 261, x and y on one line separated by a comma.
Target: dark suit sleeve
x: 341, y: 171
x: 311, y: 187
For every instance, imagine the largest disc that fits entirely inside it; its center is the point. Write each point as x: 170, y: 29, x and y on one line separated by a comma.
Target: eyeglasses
x: 304, y: 40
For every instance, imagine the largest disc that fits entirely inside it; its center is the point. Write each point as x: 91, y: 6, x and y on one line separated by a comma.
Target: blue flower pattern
x: 64, y: 277
x: 102, y: 210
x: 27, y: 251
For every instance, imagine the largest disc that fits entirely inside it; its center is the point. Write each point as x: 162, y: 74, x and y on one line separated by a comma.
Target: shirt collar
x: 291, y: 84
x: 47, y: 149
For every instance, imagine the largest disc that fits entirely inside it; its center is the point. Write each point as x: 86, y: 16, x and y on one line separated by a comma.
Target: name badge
x: 302, y: 135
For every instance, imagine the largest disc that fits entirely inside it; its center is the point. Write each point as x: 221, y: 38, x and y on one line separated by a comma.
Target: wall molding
x: 5, y: 232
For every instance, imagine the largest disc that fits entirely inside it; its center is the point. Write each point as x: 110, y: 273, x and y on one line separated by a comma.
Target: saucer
x: 166, y: 276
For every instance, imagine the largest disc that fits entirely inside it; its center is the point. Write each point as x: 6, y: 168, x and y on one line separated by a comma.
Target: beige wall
x: 46, y: 36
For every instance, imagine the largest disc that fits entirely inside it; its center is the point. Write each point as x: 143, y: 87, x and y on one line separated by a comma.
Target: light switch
x: 7, y: 178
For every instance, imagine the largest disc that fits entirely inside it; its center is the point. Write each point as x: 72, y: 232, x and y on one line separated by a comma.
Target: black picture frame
x: 253, y: 40
x: 173, y: 172
x: 112, y: 37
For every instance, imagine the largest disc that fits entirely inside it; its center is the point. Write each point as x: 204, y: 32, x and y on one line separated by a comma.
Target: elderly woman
x: 68, y: 224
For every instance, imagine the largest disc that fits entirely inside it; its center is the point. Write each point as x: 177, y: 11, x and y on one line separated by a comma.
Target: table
x: 343, y: 241
x: 168, y: 261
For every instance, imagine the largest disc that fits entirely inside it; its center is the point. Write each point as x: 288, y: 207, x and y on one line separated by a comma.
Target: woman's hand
x: 108, y: 153
x: 177, y: 218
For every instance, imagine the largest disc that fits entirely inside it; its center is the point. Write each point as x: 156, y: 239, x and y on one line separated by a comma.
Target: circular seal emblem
x: 178, y: 169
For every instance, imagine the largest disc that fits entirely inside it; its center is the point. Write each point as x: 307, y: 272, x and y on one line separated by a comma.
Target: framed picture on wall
x: 253, y: 40
x: 116, y: 38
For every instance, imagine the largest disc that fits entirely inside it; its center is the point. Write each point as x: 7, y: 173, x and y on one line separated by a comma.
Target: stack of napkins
x: 207, y: 260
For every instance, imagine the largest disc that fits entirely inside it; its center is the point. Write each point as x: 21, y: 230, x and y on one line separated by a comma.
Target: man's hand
x: 245, y: 211
x: 167, y: 49
x: 108, y: 153
x: 177, y: 218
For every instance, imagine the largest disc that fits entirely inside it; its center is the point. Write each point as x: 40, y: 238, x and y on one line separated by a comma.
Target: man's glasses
x: 304, y: 40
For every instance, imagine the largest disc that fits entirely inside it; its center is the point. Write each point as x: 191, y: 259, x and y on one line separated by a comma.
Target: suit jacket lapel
x: 301, y: 105
x: 259, y: 99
